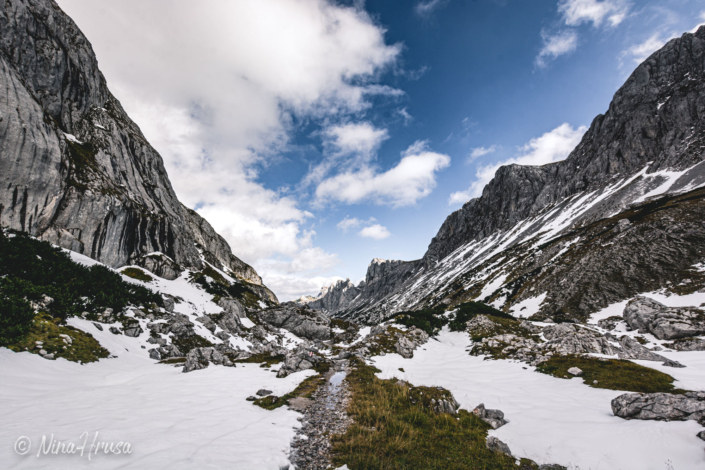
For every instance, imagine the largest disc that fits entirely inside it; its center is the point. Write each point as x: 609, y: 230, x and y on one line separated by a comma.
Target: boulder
x: 232, y: 306
x: 661, y: 406
x: 649, y: 316
x: 263, y: 393
x: 98, y: 325
x: 298, y: 360
x: 565, y: 339
x: 133, y: 330
x: 609, y: 323
x: 575, y: 371
x: 494, y: 418
x: 631, y: 349
x: 115, y: 330
x: 199, y: 358
x: 495, y: 445
x: 407, y: 342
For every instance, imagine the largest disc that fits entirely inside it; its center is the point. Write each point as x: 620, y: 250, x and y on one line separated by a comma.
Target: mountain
x: 620, y: 216
x: 75, y: 170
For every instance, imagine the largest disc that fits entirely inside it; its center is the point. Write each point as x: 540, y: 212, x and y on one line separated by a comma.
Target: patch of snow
x: 72, y: 138
x: 613, y: 310
x: 528, y: 307
x: 98, y: 126
x: 247, y: 322
x: 554, y: 420
x: 492, y: 286
x: 261, y: 304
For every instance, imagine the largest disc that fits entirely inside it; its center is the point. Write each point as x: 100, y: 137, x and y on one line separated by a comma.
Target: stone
x: 609, y: 323
x: 98, y: 325
x: 49, y: 356
x: 494, y: 418
x: 701, y: 435
x: 495, y: 445
x: 263, y: 393
x: 661, y: 406
x: 154, y: 354
x: 115, y: 330
x: 565, y: 339
x: 42, y: 352
x: 133, y: 330
x: 199, y: 358
x: 251, y: 398
x: 575, y: 371
x: 649, y: 316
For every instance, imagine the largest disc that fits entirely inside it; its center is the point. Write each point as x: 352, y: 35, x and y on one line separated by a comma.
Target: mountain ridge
x: 647, y: 144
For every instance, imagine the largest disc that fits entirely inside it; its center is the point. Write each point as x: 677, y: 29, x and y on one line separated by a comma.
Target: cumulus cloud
x: 556, y: 45
x: 215, y: 85
x: 575, y: 12
x: 347, y: 223
x: 551, y: 147
x: 411, y: 179
x: 376, y: 231
x: 478, y: 152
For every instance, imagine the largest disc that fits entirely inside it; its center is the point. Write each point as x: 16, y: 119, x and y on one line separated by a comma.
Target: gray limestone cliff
x: 75, y: 169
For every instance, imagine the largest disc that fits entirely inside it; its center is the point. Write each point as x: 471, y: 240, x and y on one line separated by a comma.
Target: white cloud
x: 410, y: 180
x: 478, y: 152
x: 214, y: 86
x: 640, y: 52
x: 555, y: 45
x: 576, y: 12
x: 347, y: 223
x: 378, y: 232
x: 425, y: 8
x: 551, y: 147
x: 701, y: 18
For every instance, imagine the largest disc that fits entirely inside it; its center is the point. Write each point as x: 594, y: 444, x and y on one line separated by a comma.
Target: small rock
x: 48, y: 356
x: 495, y: 445
x: 701, y: 435
x: 251, y: 398
x: 98, y: 325
x: 42, y: 352
x: 575, y: 371
x: 115, y: 330
x: 263, y: 393
x: 494, y: 418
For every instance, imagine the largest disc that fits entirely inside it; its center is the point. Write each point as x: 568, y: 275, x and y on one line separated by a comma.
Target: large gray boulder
x: 649, y: 316
x: 298, y: 360
x: 566, y: 338
x: 300, y: 320
x: 687, y: 344
x: 199, y: 358
x: 495, y: 445
x: 661, y: 406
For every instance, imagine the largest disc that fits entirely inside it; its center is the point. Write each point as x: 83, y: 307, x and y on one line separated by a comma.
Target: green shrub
x: 31, y: 268
x: 431, y: 320
x: 15, y: 319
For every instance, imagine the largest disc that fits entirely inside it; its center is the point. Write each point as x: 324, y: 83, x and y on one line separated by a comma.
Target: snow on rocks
x: 661, y: 406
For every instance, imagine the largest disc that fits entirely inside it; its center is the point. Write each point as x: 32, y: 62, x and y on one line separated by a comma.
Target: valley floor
x: 555, y: 420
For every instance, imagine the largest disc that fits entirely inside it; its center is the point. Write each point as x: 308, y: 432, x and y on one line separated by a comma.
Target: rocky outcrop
x: 302, y: 321
x: 565, y: 339
x: 661, y: 406
x: 302, y: 358
x: 609, y: 222
x: 649, y: 316
x: 75, y: 170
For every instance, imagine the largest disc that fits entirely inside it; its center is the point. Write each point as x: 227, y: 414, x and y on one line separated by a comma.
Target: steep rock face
x: 382, y: 279
x: 74, y: 169
x: 620, y: 216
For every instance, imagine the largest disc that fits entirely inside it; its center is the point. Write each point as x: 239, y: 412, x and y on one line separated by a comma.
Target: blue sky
x: 316, y: 136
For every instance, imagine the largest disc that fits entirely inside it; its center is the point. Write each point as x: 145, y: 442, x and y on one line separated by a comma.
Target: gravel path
x: 323, y: 415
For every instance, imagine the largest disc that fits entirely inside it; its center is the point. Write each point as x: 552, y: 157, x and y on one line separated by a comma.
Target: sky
x: 316, y: 135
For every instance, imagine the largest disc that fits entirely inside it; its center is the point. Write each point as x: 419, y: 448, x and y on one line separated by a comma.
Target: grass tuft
x: 136, y: 273
x: 612, y: 374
